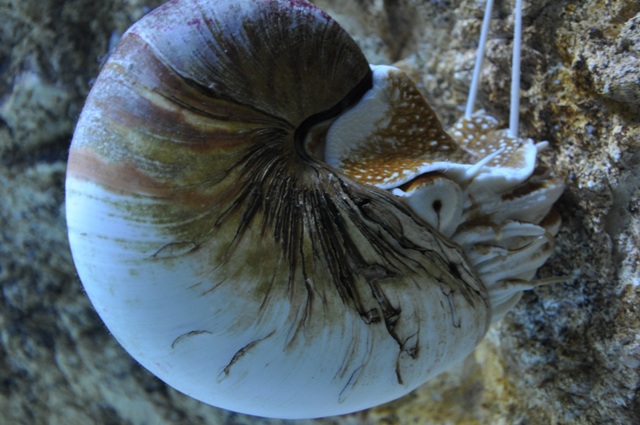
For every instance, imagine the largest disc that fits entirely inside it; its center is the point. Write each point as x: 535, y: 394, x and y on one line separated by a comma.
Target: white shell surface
x: 228, y: 350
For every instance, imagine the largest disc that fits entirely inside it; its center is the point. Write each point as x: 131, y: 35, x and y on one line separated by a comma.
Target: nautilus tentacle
x: 272, y: 226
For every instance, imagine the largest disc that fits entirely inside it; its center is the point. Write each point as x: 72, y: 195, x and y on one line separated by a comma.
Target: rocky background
x: 568, y: 354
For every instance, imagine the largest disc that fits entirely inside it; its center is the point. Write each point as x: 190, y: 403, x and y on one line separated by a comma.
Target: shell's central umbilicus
x: 475, y: 184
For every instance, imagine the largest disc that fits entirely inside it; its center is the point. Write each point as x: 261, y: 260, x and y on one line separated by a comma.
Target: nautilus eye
x: 273, y: 226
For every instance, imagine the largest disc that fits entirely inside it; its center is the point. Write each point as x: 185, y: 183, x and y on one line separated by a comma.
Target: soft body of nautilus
x: 271, y: 225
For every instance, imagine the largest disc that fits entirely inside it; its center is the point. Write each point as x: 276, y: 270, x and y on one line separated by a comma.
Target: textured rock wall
x: 568, y: 354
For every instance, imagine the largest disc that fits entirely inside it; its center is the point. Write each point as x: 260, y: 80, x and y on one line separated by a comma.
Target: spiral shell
x: 272, y: 226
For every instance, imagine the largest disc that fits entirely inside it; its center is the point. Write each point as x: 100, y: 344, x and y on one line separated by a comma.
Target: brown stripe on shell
x: 304, y: 64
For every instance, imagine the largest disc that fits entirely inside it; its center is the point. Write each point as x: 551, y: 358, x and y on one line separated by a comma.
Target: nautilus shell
x: 273, y: 226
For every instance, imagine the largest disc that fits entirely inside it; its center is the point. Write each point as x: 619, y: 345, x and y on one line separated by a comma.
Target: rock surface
x: 569, y: 353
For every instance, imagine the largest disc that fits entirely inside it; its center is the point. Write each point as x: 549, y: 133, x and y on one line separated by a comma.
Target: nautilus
x: 272, y: 225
